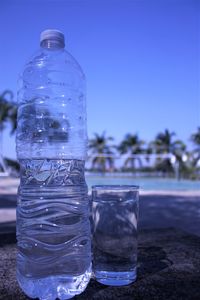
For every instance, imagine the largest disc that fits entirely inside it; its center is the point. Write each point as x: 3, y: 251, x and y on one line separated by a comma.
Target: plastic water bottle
x: 53, y: 231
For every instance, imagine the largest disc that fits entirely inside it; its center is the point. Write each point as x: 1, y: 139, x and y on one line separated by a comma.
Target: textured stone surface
x: 169, y: 268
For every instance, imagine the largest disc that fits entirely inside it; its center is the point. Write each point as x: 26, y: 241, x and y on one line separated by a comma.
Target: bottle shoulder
x: 60, y: 60
x: 50, y: 74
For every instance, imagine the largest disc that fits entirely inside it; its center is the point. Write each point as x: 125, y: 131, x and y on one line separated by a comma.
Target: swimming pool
x: 145, y: 184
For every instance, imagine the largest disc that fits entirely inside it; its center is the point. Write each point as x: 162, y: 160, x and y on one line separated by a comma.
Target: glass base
x: 116, y: 278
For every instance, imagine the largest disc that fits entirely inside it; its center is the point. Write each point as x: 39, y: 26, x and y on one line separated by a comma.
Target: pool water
x: 146, y: 184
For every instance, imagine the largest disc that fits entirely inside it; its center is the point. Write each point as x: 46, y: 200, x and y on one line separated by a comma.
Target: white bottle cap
x: 52, y: 34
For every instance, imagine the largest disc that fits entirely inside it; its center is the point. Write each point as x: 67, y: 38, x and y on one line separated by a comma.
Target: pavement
x: 8, y: 185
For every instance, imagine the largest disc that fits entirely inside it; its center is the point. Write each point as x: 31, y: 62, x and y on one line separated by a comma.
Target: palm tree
x: 133, y: 146
x: 101, y: 152
x: 195, y: 138
x: 165, y: 144
x: 8, y: 114
x: 8, y: 111
x: 148, y: 151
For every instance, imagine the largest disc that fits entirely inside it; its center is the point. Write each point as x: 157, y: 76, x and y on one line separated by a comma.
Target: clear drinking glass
x: 114, y: 215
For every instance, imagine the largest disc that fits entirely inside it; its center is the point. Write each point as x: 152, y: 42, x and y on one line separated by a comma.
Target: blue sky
x: 140, y: 57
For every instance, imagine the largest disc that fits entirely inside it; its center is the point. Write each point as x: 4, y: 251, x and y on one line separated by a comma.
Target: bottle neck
x: 52, y: 44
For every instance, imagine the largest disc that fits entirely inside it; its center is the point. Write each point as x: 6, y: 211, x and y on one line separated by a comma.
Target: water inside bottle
x: 53, y: 229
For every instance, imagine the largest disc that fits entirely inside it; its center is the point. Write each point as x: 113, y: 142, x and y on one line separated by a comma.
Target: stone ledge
x: 168, y: 268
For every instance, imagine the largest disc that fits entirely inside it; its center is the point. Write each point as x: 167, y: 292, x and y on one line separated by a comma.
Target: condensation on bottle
x: 53, y: 229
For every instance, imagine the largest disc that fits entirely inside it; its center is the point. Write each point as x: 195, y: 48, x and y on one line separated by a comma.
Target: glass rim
x: 116, y: 187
